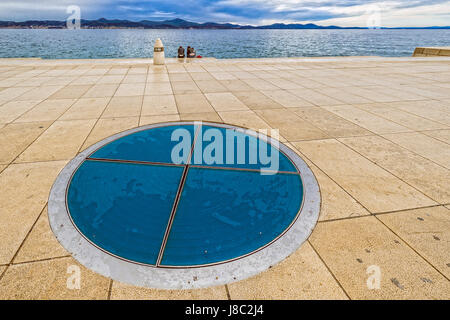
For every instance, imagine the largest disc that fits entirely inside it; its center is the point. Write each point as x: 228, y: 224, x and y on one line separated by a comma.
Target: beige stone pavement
x: 375, y: 131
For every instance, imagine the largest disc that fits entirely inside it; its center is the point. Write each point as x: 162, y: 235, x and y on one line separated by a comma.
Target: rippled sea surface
x: 69, y: 44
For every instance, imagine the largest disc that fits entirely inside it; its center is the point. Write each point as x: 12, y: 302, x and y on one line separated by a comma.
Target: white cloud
x: 338, y: 12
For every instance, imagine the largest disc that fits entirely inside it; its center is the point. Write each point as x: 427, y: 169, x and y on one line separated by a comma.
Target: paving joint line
x: 388, y: 171
x: 176, y: 202
x: 100, y: 116
x: 23, y: 242
x: 356, y: 200
x: 412, y: 248
x: 329, y: 270
x: 41, y: 260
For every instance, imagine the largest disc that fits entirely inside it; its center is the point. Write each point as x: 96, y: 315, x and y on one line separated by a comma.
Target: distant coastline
x: 172, y: 24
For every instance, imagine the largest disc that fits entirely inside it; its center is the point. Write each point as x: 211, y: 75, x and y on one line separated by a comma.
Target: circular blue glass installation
x: 145, y: 199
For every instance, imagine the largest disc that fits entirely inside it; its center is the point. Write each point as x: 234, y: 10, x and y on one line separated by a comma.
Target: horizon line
x: 234, y: 23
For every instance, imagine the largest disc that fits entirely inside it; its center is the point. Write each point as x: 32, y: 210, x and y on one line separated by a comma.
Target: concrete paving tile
x: 179, y: 77
x: 35, y: 81
x: 158, y: 88
x: 223, y: 76
x: 12, y: 110
x: 344, y: 96
x: 192, y: 69
x: 10, y: 82
x: 367, y: 120
x: 255, y: 100
x: 429, y: 90
x: 243, y: 75
x: 51, y: 279
x: 121, y: 291
x: 175, y: 68
x: 16, y: 137
x: 398, y: 92
x: 25, y: 189
x: 145, y: 120
x: 157, y: 69
x: 96, y: 72
x: 284, y: 83
x: 193, y: 103
x: 9, y: 94
x: 423, y: 145
x: 421, y: 173
x: 135, y: 78
x: 316, y: 97
x: 236, y: 85
x: 105, y: 128
x: 111, y: 79
x: 60, y: 141
x: 123, y: 107
x: 301, y: 276
x: 184, y: 87
x: 383, y: 93
x: 201, y: 116
x: 157, y: 77
x: 159, y: 105
x: 225, y: 102
x: 118, y: 70
x: 246, y: 119
x: 60, y: 81
x: 330, y: 123
x: 101, y: 91
x: 86, y: 108
x: 260, y: 84
x: 210, y: 86
x: 287, y: 99
x: 307, y: 83
x: 130, y: 90
x: 431, y: 109
x: 292, y: 127
x: 40, y: 243
x: 441, y: 135
x: 355, y: 249
x: 85, y: 80
x: 39, y: 93
x: 262, y: 74
x: 427, y: 231
x: 336, y: 203
x: 373, y: 187
x: 47, y: 110
x: 201, y: 76
x: 138, y: 70
x: 405, y: 119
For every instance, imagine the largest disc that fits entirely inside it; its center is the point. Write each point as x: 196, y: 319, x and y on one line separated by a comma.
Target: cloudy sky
x: 408, y: 13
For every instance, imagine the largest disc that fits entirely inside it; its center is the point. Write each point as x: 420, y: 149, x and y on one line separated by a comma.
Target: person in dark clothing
x: 180, y: 52
x: 191, y: 53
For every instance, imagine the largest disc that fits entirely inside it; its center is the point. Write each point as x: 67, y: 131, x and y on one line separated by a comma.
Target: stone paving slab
x: 50, y: 279
x: 301, y: 276
x: 375, y: 132
x: 425, y: 236
x: 120, y: 291
x: 350, y: 247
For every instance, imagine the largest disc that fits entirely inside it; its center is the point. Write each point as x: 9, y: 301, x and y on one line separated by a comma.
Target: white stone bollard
x: 158, y: 52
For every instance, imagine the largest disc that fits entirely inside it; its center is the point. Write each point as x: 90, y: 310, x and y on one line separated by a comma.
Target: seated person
x: 191, y: 53
x: 180, y: 52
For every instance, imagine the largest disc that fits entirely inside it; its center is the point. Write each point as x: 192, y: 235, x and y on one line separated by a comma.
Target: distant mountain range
x: 167, y: 24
